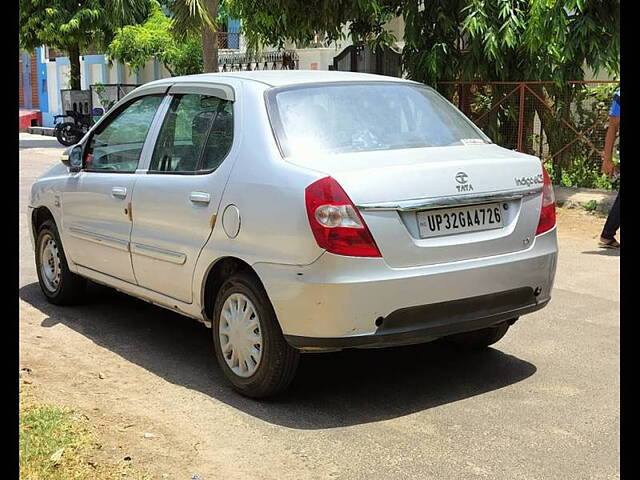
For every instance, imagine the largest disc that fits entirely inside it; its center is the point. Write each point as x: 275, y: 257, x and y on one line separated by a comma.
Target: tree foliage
x: 135, y: 45
x: 189, y: 58
x: 274, y: 22
x: 192, y: 18
x: 75, y: 25
x: 510, y: 39
x: 60, y: 23
x: 455, y: 39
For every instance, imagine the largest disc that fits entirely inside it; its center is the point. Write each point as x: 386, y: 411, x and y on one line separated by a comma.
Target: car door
x: 96, y: 201
x: 176, y: 201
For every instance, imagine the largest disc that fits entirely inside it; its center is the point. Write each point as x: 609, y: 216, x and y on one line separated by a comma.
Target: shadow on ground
x: 607, y: 252
x: 330, y: 390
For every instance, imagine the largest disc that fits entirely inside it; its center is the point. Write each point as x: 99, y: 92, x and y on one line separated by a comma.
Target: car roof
x: 277, y: 78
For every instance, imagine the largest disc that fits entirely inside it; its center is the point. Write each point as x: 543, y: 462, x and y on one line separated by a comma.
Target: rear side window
x: 195, y: 136
x: 116, y: 146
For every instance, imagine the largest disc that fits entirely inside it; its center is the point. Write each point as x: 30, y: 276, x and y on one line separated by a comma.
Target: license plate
x: 449, y: 221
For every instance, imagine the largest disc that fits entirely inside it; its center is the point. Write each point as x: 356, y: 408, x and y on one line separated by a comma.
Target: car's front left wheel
x: 249, y: 344
x: 59, y: 284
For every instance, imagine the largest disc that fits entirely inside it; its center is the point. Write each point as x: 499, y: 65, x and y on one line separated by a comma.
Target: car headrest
x: 200, y: 125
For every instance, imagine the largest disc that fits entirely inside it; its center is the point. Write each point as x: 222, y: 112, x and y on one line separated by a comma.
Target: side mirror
x: 72, y: 158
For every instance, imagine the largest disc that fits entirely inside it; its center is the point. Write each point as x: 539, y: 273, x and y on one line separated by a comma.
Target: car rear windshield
x: 355, y: 117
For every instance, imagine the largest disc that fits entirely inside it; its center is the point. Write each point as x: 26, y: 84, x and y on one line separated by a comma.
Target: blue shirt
x: 614, y: 111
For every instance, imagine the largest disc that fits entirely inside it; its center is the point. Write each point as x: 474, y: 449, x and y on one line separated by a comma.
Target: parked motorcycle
x: 71, y: 132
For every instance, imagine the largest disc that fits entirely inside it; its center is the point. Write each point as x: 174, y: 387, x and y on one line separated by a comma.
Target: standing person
x: 611, y: 226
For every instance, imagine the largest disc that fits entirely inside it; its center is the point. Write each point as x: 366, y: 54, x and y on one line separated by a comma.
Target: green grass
x: 56, y: 444
x: 590, y: 206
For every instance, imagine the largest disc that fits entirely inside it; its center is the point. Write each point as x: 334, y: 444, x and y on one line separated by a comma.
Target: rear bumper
x: 429, y: 322
x: 335, y: 301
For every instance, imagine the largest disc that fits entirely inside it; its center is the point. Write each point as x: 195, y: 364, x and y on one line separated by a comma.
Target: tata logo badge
x: 463, y: 182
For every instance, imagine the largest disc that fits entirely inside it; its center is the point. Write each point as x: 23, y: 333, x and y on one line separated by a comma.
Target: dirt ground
x: 542, y: 404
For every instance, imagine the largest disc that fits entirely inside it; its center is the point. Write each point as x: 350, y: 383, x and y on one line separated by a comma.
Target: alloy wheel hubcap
x: 50, y: 263
x: 240, y: 335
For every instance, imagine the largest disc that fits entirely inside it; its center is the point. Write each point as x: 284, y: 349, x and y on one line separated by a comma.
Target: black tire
x: 479, y: 339
x: 278, y: 362
x: 67, y: 134
x: 68, y: 288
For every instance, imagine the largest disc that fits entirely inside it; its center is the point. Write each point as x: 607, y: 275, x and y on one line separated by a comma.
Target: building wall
x: 316, y: 58
x: 28, y: 94
x: 35, y: 101
x: 41, y: 82
x: 53, y: 92
x: 20, y: 82
x: 589, y: 74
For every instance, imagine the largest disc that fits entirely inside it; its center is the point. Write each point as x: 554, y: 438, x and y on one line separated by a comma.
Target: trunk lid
x: 390, y: 187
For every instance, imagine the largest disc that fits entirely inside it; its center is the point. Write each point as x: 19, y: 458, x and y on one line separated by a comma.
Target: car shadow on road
x: 607, y: 252
x: 330, y: 390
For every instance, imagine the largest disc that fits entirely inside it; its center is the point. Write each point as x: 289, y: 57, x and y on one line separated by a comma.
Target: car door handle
x: 200, y: 197
x: 119, y: 192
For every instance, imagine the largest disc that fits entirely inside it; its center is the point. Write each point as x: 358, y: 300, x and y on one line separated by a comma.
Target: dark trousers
x: 613, y: 220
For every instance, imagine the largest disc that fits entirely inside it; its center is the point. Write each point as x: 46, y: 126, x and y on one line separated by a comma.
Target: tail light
x: 548, y: 211
x: 335, y: 222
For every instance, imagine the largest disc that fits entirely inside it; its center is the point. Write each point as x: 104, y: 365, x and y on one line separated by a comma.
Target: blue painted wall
x: 233, y: 26
x: 43, y: 92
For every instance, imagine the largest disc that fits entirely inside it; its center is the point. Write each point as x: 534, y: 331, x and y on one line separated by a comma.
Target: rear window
x: 341, y: 118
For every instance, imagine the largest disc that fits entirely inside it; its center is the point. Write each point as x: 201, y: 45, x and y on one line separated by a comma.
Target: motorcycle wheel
x: 67, y: 134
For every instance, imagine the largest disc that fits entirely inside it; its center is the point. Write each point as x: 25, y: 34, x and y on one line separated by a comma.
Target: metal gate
x: 360, y: 58
x: 280, y: 60
x: 557, y: 122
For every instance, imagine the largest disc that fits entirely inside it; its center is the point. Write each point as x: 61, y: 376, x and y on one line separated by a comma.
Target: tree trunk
x: 210, y: 39
x: 74, y: 61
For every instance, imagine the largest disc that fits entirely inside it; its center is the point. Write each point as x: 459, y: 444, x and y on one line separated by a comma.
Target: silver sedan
x: 299, y: 211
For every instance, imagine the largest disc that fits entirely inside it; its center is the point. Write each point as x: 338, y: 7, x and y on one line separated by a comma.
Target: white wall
x: 52, y: 88
x: 589, y: 74
x: 146, y: 73
x: 95, y: 74
x: 164, y: 73
x: 129, y: 75
x: 316, y: 58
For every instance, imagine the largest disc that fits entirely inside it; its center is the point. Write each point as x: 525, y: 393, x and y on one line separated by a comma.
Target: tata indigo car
x: 299, y: 211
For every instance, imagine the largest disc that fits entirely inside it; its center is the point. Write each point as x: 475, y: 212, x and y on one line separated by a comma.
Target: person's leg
x: 612, y: 224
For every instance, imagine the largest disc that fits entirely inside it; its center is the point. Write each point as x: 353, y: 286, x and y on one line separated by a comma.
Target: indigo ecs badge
x: 528, y: 181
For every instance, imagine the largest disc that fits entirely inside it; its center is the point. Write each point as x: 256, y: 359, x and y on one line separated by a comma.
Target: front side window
x: 116, y: 146
x: 342, y: 118
x: 195, y: 137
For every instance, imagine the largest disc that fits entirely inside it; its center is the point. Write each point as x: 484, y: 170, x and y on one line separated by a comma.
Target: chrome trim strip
x: 98, y: 238
x: 158, y: 253
x: 453, y: 200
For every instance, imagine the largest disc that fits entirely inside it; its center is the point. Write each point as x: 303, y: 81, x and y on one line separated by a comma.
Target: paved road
x: 543, y: 404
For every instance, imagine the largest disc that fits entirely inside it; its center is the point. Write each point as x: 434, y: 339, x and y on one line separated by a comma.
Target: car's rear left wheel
x: 249, y: 344
x: 479, y: 339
